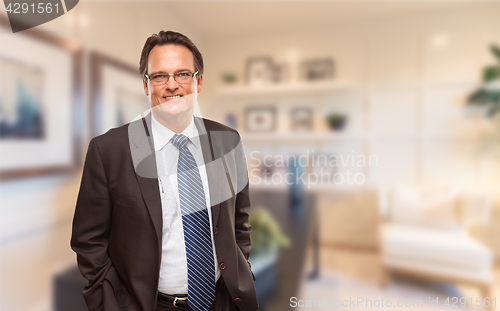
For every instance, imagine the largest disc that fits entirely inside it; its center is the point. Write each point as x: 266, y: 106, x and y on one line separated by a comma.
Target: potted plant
x: 266, y: 241
x: 336, y: 121
x: 488, y: 94
x: 229, y: 77
x: 266, y: 235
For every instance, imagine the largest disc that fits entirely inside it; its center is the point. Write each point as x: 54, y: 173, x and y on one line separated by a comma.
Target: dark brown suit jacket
x: 117, y: 227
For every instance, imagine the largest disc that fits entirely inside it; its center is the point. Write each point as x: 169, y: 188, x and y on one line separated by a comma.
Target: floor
x: 349, y: 280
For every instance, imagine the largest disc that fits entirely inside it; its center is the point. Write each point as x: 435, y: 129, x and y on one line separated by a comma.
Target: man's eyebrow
x: 157, y: 73
x: 163, y: 72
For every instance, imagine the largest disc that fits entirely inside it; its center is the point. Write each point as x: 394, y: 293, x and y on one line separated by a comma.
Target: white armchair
x: 425, y: 234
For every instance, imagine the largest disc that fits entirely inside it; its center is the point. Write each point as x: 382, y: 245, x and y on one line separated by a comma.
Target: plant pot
x: 338, y: 125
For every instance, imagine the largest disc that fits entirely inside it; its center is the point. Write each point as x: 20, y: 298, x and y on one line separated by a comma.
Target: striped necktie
x: 197, y: 237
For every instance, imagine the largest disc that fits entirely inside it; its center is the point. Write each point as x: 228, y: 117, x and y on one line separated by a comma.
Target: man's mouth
x: 172, y: 97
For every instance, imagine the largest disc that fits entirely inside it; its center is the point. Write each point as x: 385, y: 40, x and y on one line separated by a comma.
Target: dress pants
x: 222, y: 301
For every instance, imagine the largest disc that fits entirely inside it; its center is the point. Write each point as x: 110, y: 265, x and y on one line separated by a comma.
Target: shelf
x: 328, y: 137
x: 283, y: 89
x: 301, y: 137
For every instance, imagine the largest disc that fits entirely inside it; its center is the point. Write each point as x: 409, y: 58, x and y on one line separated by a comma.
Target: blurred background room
x: 371, y: 130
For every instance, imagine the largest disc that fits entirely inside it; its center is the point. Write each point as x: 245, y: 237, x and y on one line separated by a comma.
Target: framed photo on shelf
x: 40, y: 104
x: 317, y: 70
x: 301, y: 119
x: 260, y: 119
x: 116, y: 92
x: 231, y: 120
x: 281, y: 73
x: 260, y: 71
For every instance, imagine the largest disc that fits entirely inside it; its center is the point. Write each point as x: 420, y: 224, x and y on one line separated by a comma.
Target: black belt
x: 176, y: 301
x: 180, y: 301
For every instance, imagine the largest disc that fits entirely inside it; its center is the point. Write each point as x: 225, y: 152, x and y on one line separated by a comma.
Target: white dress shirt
x: 173, y: 268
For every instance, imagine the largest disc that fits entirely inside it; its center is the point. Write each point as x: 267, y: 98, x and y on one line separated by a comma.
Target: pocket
x: 123, y: 298
x: 243, y: 259
x: 122, y: 198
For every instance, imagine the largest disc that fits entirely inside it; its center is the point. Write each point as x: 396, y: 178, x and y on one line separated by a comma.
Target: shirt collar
x: 162, y: 134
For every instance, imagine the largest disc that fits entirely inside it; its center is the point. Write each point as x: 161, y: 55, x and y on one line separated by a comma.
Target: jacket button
x: 237, y: 299
x: 222, y: 266
x: 216, y: 230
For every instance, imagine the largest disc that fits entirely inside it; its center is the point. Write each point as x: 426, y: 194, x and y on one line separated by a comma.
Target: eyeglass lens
x: 180, y: 77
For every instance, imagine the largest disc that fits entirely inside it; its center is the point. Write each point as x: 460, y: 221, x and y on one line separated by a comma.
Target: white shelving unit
x: 284, y: 97
x: 283, y: 89
x: 299, y: 137
x: 410, y: 125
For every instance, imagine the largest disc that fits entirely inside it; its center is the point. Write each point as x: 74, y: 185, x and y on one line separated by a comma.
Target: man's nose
x: 171, y: 84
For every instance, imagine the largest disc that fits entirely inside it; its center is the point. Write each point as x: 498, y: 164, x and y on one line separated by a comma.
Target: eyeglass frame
x: 173, y: 74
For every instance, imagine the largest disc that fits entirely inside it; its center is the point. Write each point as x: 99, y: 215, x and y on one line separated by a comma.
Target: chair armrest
x: 474, y: 209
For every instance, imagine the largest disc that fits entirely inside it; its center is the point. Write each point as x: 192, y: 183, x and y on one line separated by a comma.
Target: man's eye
x: 183, y: 74
x: 158, y: 77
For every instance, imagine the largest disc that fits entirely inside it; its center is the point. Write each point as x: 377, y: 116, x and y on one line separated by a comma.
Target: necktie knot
x: 180, y: 141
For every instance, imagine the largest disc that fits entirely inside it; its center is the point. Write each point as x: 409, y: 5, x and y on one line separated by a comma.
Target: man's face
x: 172, y: 98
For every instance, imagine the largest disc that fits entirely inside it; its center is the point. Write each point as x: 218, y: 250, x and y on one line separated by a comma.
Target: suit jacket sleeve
x: 91, y: 227
x: 242, y: 208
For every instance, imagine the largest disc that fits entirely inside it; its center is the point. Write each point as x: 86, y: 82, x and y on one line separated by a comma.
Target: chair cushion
x: 425, y: 207
x: 451, y: 247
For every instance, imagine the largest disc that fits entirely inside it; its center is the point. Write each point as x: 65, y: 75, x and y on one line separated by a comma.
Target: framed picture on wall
x: 117, y: 93
x: 260, y: 119
x: 317, y: 69
x: 260, y: 71
x: 40, y: 104
x: 301, y: 119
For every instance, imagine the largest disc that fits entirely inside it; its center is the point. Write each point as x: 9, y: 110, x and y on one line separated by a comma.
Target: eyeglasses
x: 179, y: 77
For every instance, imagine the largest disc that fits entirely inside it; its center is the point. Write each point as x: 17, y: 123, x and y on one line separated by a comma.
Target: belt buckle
x: 178, y: 298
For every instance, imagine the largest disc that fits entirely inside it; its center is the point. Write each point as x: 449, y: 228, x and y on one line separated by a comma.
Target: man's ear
x: 200, y: 83
x: 145, y: 85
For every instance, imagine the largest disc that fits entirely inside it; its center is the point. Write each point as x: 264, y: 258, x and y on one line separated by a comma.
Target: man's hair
x: 169, y: 37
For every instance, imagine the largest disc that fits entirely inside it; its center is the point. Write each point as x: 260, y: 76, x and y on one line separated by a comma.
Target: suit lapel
x: 213, y: 172
x: 144, y: 159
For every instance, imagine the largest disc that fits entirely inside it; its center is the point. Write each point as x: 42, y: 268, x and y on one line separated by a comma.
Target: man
x: 161, y: 221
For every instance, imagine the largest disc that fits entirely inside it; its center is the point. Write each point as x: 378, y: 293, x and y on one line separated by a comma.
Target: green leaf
x: 495, y: 50
x: 492, y: 111
x: 491, y: 73
x: 266, y: 233
x: 493, y: 96
x: 479, y: 97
